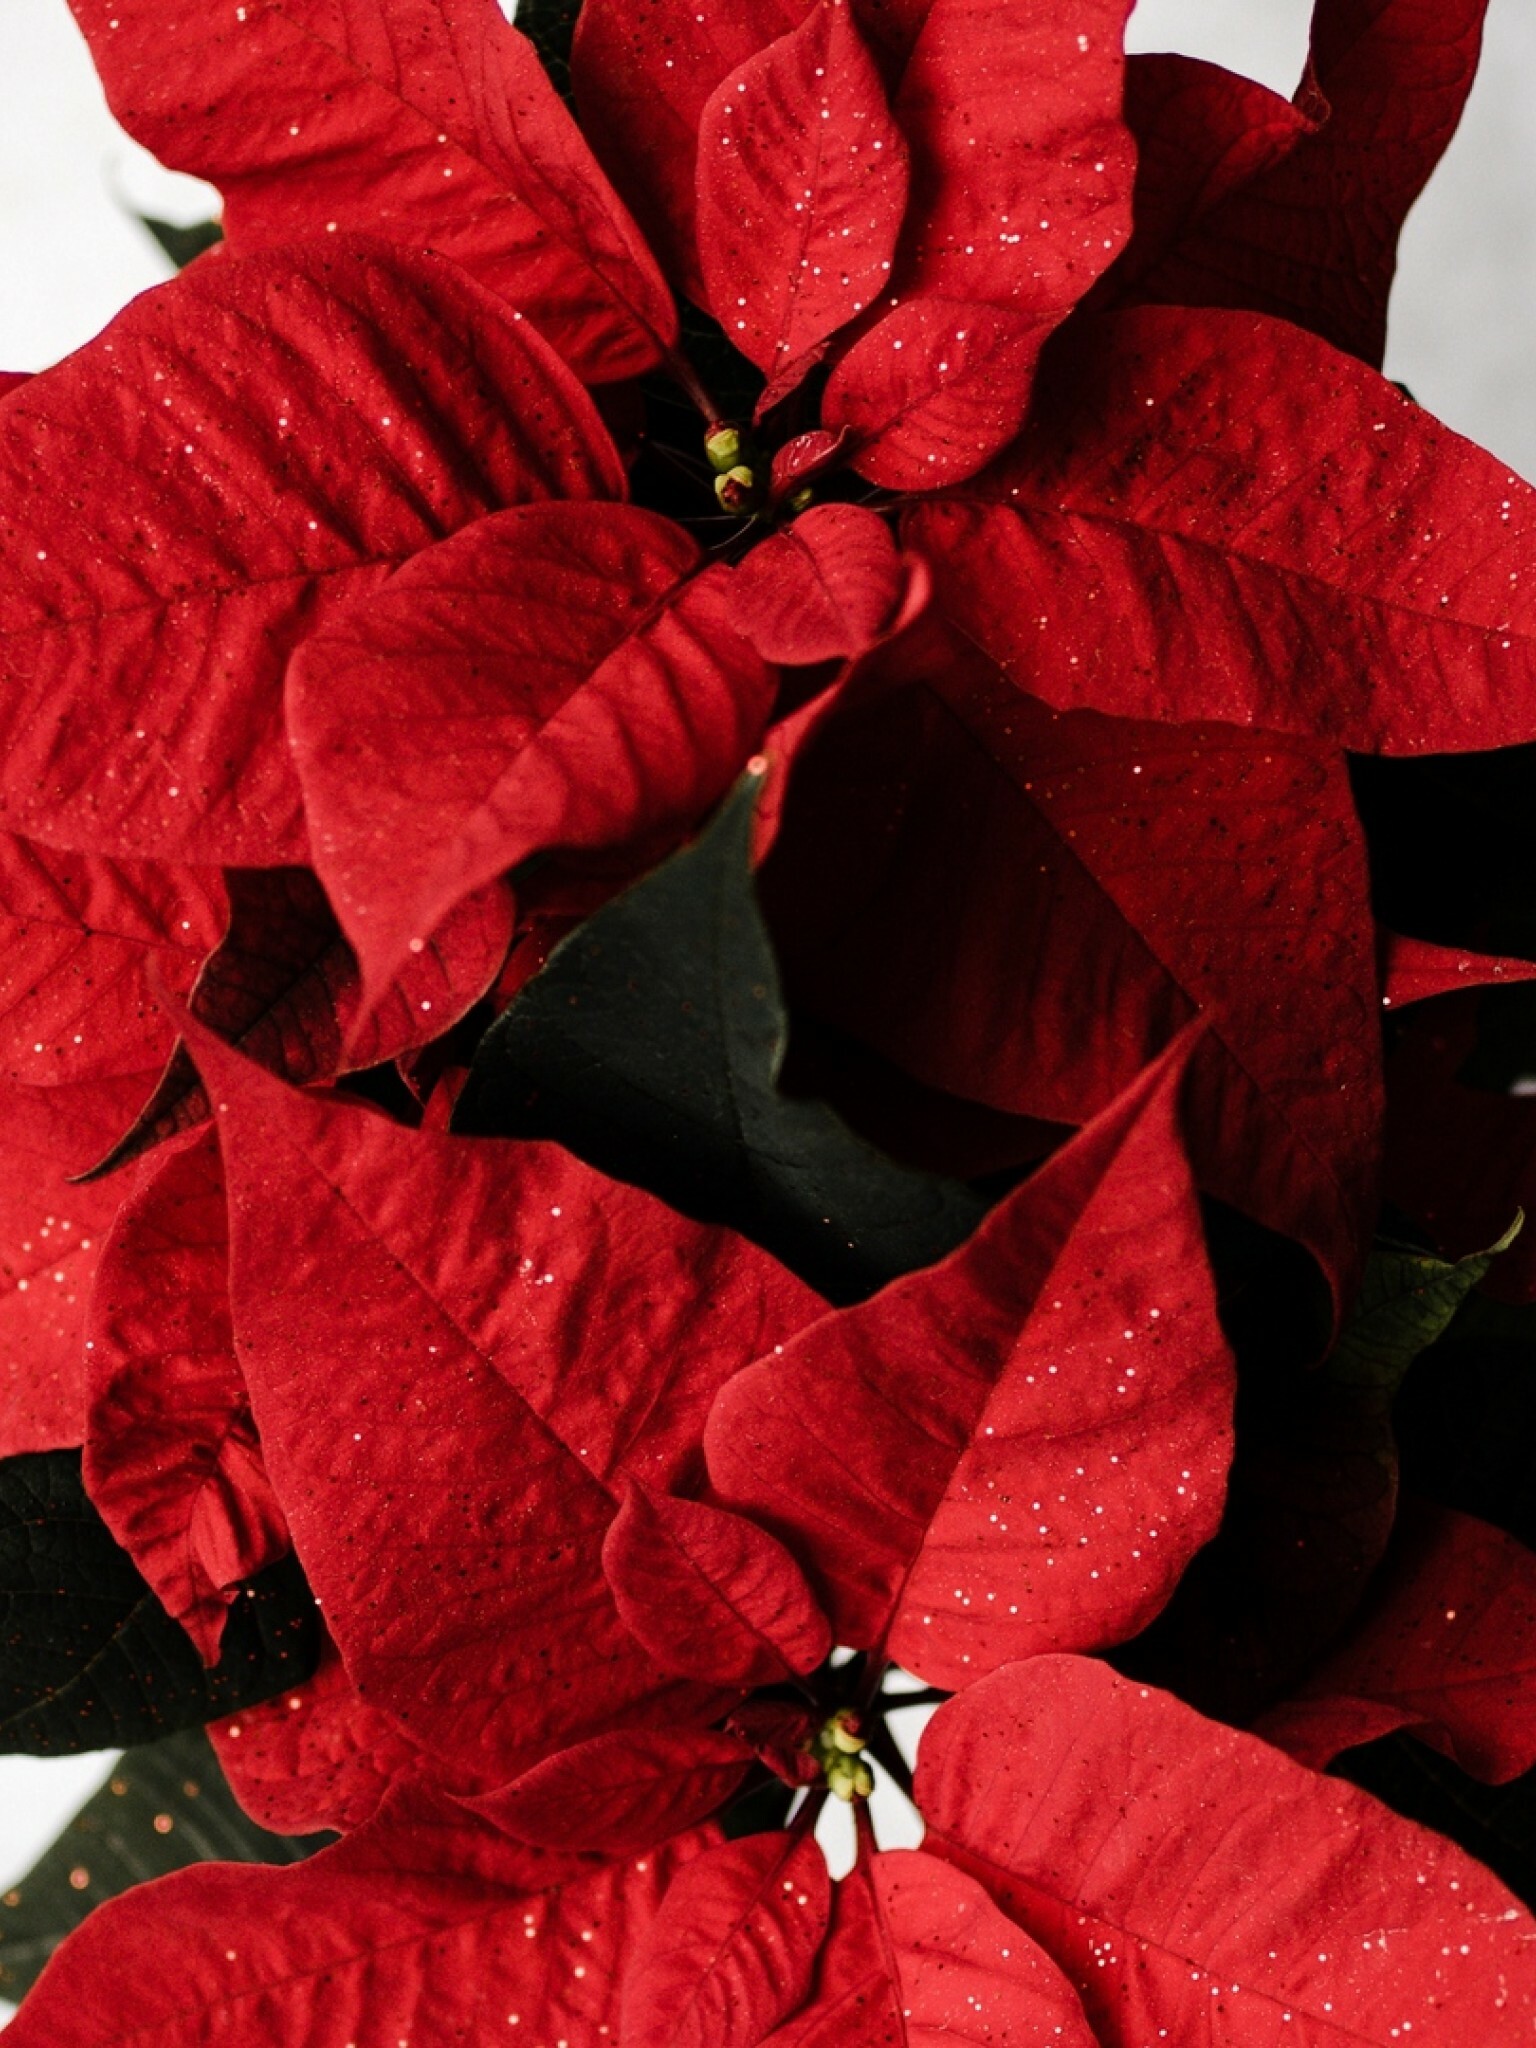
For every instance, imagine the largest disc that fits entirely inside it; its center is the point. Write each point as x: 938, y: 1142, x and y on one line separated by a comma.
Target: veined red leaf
x: 316, y: 1756
x: 1309, y: 231
x: 621, y: 1791
x: 283, y: 985
x: 1221, y: 1886
x: 1414, y: 970
x: 506, y: 1336
x: 89, y: 949
x: 832, y: 585
x: 1214, y: 515
x: 51, y: 1236
x: 1019, y: 1449
x: 430, y: 122
x: 918, y: 1954
x: 1021, y: 186
x: 572, y: 687
x: 709, y: 1594
x: 1190, y: 870
x: 731, y: 1952
x: 239, y: 455
x: 802, y: 184
x: 643, y: 76
x: 172, y: 1463
x: 1446, y: 1646
x: 420, y: 1926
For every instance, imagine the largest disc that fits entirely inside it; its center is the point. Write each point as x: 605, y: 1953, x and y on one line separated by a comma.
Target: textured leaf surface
x: 570, y: 687
x: 831, y: 585
x: 1446, y: 1646
x: 919, y: 1955
x: 512, y: 1335
x: 1406, y: 1301
x: 164, y: 1806
x: 1226, y: 1886
x: 1017, y: 1450
x: 172, y: 1462
x: 237, y: 456
x: 429, y: 122
x: 89, y: 1659
x: 591, y: 1053
x: 1213, y: 515
x: 711, y: 1595
x: 620, y: 1792
x: 424, y: 1923
x: 730, y: 1953
x: 807, y: 116
x: 1020, y: 197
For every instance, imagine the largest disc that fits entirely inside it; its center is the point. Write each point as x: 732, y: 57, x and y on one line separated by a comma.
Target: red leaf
x: 1414, y: 970
x: 1446, y: 1646
x: 425, y: 1926
x: 1309, y: 231
x: 832, y: 584
x: 50, y: 1241
x: 506, y: 1335
x: 710, y: 1595
x: 918, y: 1954
x: 620, y: 1792
x: 802, y: 185
x: 90, y: 948
x: 1021, y: 187
x: 1191, y: 870
x: 1021, y: 1448
x: 570, y: 686
x: 283, y: 985
x: 238, y: 456
x: 430, y: 122
x: 1214, y: 515
x: 642, y: 81
x: 172, y: 1463
x: 316, y: 1756
x: 1217, y: 1886
x: 731, y: 1952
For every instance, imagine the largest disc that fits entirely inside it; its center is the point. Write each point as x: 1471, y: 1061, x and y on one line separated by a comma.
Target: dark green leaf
x: 549, y: 26
x: 651, y: 1045
x: 1496, y: 1823
x: 1406, y: 1303
x: 182, y: 244
x: 164, y: 1806
x: 89, y: 1659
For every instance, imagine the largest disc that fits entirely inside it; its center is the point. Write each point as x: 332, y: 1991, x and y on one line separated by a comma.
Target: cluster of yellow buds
x: 838, y: 1747
x: 737, y: 485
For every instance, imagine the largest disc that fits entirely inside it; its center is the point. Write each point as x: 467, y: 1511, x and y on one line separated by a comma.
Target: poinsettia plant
x: 765, y: 862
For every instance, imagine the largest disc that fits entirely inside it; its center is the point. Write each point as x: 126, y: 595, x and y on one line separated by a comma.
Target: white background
x: 1463, y: 326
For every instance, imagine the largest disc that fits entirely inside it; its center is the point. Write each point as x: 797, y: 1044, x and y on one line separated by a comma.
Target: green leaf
x: 182, y: 244
x: 165, y: 1806
x: 1496, y: 1823
x: 89, y: 1659
x: 1406, y: 1303
x: 650, y: 1045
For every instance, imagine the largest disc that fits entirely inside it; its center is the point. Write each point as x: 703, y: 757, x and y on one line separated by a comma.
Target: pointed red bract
x: 832, y: 585
x: 1446, y: 1646
x: 172, y: 1463
x: 1219, y: 1886
x: 1214, y: 515
x: 1307, y: 228
x: 89, y: 950
x: 730, y: 1953
x: 917, y: 1954
x: 1020, y: 1449
x: 571, y: 688
x: 239, y: 455
x: 429, y: 122
x: 423, y: 1924
x: 315, y: 1755
x: 1414, y: 970
x: 1021, y: 186
x: 709, y: 1594
x: 620, y: 1792
x: 505, y: 1335
x: 802, y: 186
